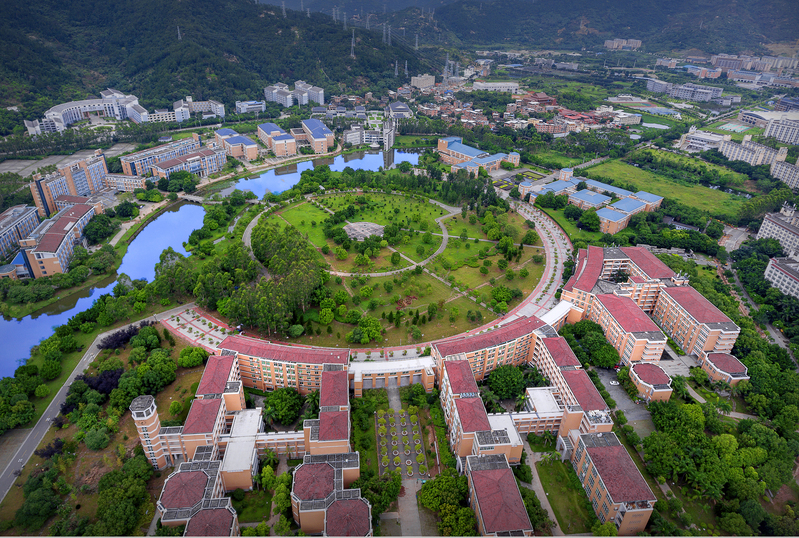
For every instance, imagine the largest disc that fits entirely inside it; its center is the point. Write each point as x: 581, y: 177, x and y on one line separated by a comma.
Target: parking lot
x: 637, y: 415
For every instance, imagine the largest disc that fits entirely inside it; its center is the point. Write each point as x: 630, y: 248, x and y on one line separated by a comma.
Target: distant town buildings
x: 512, y: 87
x: 188, y: 106
x: 765, y: 63
x: 623, y: 44
x: 302, y: 94
x: 112, y: 104
x: 688, y: 92
x: 787, y: 104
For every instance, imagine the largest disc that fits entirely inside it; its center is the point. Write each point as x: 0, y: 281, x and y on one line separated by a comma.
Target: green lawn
x: 386, y: 209
x: 415, y: 241
x: 753, y: 131
x: 570, y: 227
x: 568, y: 500
x: 703, y: 198
x: 303, y: 217
x: 415, y: 141
x: 558, y: 159
x: 256, y: 507
x: 682, y: 159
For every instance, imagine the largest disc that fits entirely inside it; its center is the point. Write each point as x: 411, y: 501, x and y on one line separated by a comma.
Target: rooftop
x: 216, y: 374
x: 727, y: 363
x: 334, y: 425
x: 317, y: 128
x: 605, y: 187
x: 647, y: 196
x: 590, y: 197
x: 210, y: 522
x: 454, y: 144
x: 627, y: 314
x: 202, y: 416
x: 611, y: 215
x: 461, y: 378
x: 499, y: 501
x: 473, y: 415
x: 619, y: 473
x: 177, y: 161
x: 313, y: 481
x: 226, y: 132
x: 348, y: 517
x: 700, y: 308
x: 513, y: 330
x: 651, y: 373
x: 648, y: 262
x: 240, y: 139
x: 271, y: 128
x: 584, y: 390
x: 254, y: 347
x: 587, y: 270
x: 628, y: 205
x: 561, y: 352
x: 334, y: 389
x: 184, y: 489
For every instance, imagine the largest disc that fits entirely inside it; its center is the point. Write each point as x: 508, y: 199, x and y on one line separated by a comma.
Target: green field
x: 568, y: 500
x: 415, y: 141
x: 385, y: 209
x: 308, y: 220
x: 714, y: 201
x: 755, y: 132
x: 559, y: 159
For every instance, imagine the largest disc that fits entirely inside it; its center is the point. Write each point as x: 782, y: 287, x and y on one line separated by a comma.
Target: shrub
x: 238, y: 495
x: 420, y: 459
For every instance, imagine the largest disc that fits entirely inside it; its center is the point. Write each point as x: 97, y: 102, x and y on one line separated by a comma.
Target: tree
x: 515, y: 194
x: 605, y: 529
x: 326, y: 316
x: 42, y: 391
x: 395, y: 257
x: 457, y: 521
x: 192, y: 356
x: 268, y: 477
x: 286, y: 404
x: 572, y: 212
x: 447, y: 488
x: 502, y: 264
x: 590, y: 221
x: 99, y: 228
x: 506, y: 381
x: 39, y: 506
x: 283, y: 526
x: 175, y: 408
x: 734, y: 523
x: 97, y: 439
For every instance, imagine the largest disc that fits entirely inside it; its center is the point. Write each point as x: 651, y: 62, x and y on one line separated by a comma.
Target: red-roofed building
x: 187, y: 490
x: 614, y: 485
x: 495, y: 498
x: 469, y: 417
x: 335, y: 391
x: 508, y: 344
x: 184, y: 489
x: 267, y: 366
x: 723, y: 367
x: 585, y: 393
x: 693, y: 322
x: 627, y: 328
x: 651, y: 381
x: 349, y: 517
x: 214, y: 522
x: 313, y: 481
x: 203, y: 424
x: 334, y: 425
x: 457, y: 382
x: 645, y: 264
x: 49, y: 247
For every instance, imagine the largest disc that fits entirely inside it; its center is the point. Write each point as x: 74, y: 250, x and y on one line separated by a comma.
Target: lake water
x: 655, y: 126
x: 170, y: 229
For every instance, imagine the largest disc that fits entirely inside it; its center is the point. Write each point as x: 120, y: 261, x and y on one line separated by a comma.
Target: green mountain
x: 709, y: 25
x: 356, y: 7
x: 228, y: 50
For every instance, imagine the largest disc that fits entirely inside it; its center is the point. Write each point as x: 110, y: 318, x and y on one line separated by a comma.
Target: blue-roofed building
x: 587, y: 199
x: 565, y: 174
x: 317, y: 135
x: 226, y: 132
x: 240, y: 146
x: 652, y: 201
x: 398, y: 110
x: 319, y: 110
x: 277, y: 139
x: 612, y: 221
x: 598, y: 186
x: 631, y: 206
x: 525, y: 187
x: 454, y: 152
x: 560, y: 187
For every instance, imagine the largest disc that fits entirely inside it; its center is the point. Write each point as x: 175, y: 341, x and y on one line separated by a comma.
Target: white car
x: 614, y: 383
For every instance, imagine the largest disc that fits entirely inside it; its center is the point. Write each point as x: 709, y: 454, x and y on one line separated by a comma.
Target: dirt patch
x: 784, y: 495
x: 432, y: 466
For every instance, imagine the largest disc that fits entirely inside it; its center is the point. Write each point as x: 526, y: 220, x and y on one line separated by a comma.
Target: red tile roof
x: 584, y: 390
x: 348, y: 517
x: 620, y: 475
x: 651, y: 373
x: 184, y: 490
x: 50, y: 242
x: 210, y: 522
x: 461, y: 378
x: 164, y: 165
x: 561, y: 352
x: 648, y: 262
x: 77, y: 211
x: 587, y: 270
x: 727, y: 363
x: 638, y: 279
x: 202, y: 416
x: 334, y: 425
x: 473, y: 415
x: 499, y: 501
x: 500, y: 335
x: 334, y: 389
x: 700, y: 308
x: 313, y: 481
x: 72, y: 199
x: 624, y: 310
x: 261, y: 348
x: 216, y: 374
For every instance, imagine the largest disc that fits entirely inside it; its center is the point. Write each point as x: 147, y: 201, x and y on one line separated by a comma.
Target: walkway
x: 536, y: 486
x: 733, y: 414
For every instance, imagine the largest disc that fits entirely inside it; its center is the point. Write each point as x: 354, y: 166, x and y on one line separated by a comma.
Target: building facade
x: 784, y: 227
x: 48, y: 248
x: 783, y: 274
x: 112, y: 104
x: 140, y: 163
x: 79, y: 178
x: 783, y: 129
x: 16, y: 223
x: 752, y: 152
x: 202, y: 163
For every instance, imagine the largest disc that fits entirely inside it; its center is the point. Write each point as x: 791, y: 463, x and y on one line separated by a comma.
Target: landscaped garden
x: 399, y: 439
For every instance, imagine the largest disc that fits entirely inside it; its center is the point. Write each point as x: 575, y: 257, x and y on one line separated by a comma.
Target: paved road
x: 38, y: 432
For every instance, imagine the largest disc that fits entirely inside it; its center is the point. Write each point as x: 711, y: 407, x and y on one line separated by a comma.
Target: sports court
x: 733, y: 127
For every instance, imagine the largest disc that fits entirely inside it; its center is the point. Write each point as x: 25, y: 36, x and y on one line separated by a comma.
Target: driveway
x: 637, y: 414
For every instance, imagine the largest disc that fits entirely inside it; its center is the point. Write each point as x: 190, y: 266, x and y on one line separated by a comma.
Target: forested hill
x: 726, y: 25
x: 355, y: 7
x: 230, y: 49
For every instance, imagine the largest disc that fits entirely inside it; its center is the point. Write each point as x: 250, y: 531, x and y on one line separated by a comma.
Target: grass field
x: 417, y: 240
x: 303, y: 217
x: 714, y: 201
x: 570, y: 227
x: 753, y: 131
x: 682, y: 159
x: 386, y: 209
x: 559, y: 159
x: 415, y: 141
x: 568, y: 500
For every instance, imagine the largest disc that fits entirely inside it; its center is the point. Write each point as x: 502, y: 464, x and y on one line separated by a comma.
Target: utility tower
x: 334, y: 13
x: 417, y: 42
x: 384, y: 34
x: 180, y: 38
x: 389, y: 36
x: 352, y: 46
x: 406, y: 68
x: 302, y: 5
x: 345, y: 21
x: 284, y: 9
x: 308, y: 12
x: 396, y: 68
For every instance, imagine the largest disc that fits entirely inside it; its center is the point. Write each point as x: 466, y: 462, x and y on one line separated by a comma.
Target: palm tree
x: 548, y: 437
x: 724, y: 406
x: 313, y: 400
x: 269, y: 414
x: 521, y: 400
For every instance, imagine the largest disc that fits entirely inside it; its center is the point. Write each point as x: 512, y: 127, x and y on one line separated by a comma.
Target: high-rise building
x: 423, y: 81
x: 752, y: 152
x: 783, y: 129
x: 784, y: 227
x: 79, y: 178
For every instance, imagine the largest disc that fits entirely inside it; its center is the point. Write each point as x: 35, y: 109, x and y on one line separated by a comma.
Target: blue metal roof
x: 19, y: 259
x: 556, y: 187
x: 647, y: 196
x: 611, y: 215
x: 283, y: 137
x: 525, y: 184
x: 318, y: 110
x: 606, y: 187
x: 628, y: 205
x: 591, y: 197
x: 271, y: 128
x: 317, y: 128
x: 226, y: 132
x: 240, y: 139
x: 462, y: 148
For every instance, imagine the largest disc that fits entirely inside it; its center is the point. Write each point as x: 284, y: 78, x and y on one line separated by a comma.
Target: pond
x: 655, y: 126
x: 170, y: 229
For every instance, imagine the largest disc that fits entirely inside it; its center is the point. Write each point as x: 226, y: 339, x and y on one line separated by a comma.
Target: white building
x: 512, y: 87
x: 315, y: 93
x: 112, y: 104
x: 783, y: 274
x: 783, y: 129
x: 695, y: 140
x: 751, y: 152
x: 784, y: 227
x: 786, y: 172
x: 423, y: 81
x: 248, y: 107
x: 188, y: 106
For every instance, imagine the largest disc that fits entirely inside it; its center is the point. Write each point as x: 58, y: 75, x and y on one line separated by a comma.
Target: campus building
x: 48, y: 248
x: 124, y: 183
x: 512, y: 87
x: 652, y: 382
x: 614, y: 485
x: 495, y: 498
x: 752, y: 152
x: 140, y: 163
x: 423, y: 81
x: 236, y: 145
x: 786, y: 172
x: 316, y: 134
x: 588, y: 199
x: 249, y: 107
x: 79, y: 178
x: 783, y: 274
x: 695, y: 140
x: 627, y: 328
x: 278, y: 140
x: 723, y: 367
x: 202, y: 163
x: 612, y: 221
x: 454, y: 152
x: 784, y: 227
x: 16, y: 223
x: 112, y: 104
x: 188, y: 106
x: 622, y: 44
x: 783, y: 129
